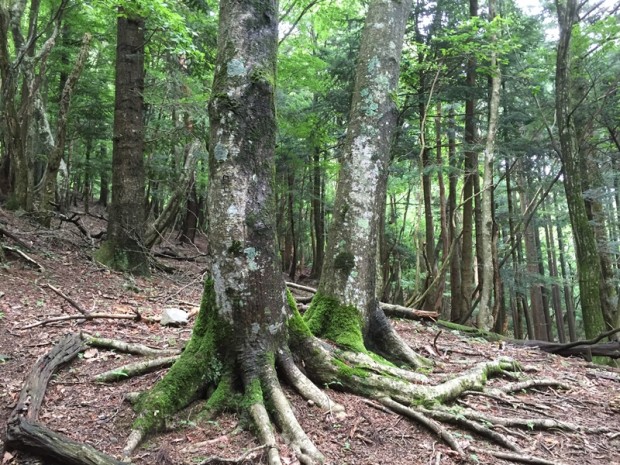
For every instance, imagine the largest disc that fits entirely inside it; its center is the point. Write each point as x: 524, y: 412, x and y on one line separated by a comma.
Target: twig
x: 68, y: 299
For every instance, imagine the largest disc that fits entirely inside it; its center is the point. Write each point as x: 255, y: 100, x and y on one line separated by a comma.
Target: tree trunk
x: 471, y: 174
x: 190, y: 221
x: 533, y: 279
x: 555, y: 288
x: 455, y: 262
x: 485, y: 310
x: 48, y: 194
x: 346, y: 308
x: 588, y: 262
x: 124, y: 249
x: 318, y: 215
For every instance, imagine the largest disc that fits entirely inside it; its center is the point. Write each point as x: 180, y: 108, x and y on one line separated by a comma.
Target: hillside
x: 581, y: 394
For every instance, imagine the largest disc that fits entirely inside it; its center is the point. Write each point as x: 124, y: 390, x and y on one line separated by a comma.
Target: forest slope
x: 97, y: 414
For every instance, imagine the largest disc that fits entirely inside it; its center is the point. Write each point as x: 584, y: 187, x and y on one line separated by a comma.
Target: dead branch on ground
x: 91, y: 316
x: 126, y: 347
x: 25, y: 433
x: 30, y: 260
x: 391, y: 310
x: 76, y: 305
x: 135, y: 369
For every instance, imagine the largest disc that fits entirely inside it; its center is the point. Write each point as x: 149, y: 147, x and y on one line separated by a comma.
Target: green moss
x: 201, y: 364
x: 344, y: 262
x: 297, y: 327
x: 110, y: 255
x: 379, y: 359
x: 223, y: 398
x: 236, y: 248
x: 349, y: 371
x: 339, y: 323
x: 263, y: 76
x: 253, y: 394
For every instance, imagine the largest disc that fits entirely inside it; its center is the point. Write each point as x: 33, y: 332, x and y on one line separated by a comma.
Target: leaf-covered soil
x: 97, y: 413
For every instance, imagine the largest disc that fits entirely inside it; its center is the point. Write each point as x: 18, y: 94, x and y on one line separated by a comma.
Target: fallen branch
x: 135, y: 369
x: 126, y: 347
x: 76, y: 220
x: 24, y: 256
x: 77, y: 306
x: 90, y: 316
x: 4, y: 232
x: 23, y: 430
x: 391, y: 310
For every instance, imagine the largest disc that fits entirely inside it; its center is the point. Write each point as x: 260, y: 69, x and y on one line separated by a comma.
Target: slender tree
x: 485, y: 314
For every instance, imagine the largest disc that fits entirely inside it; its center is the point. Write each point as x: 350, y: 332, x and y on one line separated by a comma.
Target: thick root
x: 265, y: 433
x: 366, y: 362
x: 304, y: 448
x: 306, y: 388
x: 384, y: 339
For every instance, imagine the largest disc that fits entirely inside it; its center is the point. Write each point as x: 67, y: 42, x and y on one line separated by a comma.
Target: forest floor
x: 97, y: 414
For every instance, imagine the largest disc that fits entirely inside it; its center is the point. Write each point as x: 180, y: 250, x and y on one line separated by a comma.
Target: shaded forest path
x: 96, y: 413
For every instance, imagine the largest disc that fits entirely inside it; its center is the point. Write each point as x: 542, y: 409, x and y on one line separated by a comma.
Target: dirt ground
x: 98, y: 414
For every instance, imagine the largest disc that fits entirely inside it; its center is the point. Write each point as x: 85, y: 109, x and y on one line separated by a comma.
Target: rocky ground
x: 97, y: 413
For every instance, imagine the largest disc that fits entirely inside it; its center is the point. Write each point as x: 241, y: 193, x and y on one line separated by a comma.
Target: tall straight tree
x: 123, y: 249
x: 485, y: 313
x: 346, y: 308
x: 588, y: 262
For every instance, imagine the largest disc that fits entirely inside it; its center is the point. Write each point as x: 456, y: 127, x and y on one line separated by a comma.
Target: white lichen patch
x: 235, y: 67
x: 220, y: 152
x: 251, y: 255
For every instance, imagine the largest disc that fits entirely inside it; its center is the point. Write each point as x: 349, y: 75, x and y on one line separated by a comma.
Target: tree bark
x: 471, y: 174
x: 347, y: 291
x: 124, y: 248
x: 485, y: 311
x: 588, y: 262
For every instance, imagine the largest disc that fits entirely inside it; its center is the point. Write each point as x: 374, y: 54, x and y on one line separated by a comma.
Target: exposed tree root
x: 304, y: 448
x: 135, y: 369
x: 126, y: 347
x: 519, y: 458
x: 304, y: 386
x: 250, y: 456
x: 422, y: 419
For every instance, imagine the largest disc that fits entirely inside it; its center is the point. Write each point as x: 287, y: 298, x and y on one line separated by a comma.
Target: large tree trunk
x: 588, y: 262
x: 346, y: 308
x: 124, y: 249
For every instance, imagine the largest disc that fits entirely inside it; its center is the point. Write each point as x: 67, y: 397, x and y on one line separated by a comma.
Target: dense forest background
x: 504, y: 191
